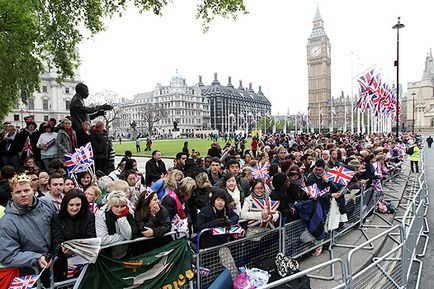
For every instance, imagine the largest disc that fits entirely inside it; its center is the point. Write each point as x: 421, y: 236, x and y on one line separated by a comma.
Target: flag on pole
x: 340, y: 175
x: 24, y: 282
x: 260, y: 171
x: 27, y: 149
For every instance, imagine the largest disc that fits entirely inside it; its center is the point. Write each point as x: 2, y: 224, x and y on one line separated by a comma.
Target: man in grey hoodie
x: 25, y: 229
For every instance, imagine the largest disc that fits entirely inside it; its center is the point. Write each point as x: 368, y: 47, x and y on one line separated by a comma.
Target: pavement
x: 141, y: 162
x: 354, y: 237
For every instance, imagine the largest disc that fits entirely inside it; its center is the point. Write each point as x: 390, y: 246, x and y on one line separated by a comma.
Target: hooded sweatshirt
x: 25, y: 233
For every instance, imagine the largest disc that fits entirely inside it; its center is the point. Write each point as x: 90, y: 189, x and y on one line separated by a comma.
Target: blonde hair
x: 96, y: 191
x: 186, y: 186
x: 170, y: 180
x: 119, y: 185
x: 99, y: 124
x: 202, y: 181
x: 115, y: 198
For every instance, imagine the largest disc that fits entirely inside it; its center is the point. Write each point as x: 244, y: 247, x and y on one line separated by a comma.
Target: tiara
x: 147, y: 193
x: 21, y: 178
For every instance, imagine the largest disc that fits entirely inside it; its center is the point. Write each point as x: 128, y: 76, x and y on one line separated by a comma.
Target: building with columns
x: 183, y: 103
x: 419, y: 101
x: 52, y: 102
x: 195, y: 108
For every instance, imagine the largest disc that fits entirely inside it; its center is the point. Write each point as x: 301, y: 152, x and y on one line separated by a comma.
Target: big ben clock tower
x: 319, y: 77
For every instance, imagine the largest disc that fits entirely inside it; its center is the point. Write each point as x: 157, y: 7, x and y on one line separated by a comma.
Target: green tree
x: 36, y: 35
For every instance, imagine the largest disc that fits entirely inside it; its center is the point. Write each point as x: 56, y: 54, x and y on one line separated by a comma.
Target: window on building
x: 45, y: 104
x: 31, y: 104
x: 44, y: 88
x: 67, y: 104
x: 45, y: 117
x: 66, y: 89
x: 16, y: 117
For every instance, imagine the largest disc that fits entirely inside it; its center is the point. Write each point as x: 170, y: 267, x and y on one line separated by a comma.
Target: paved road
x: 141, y: 162
x: 428, y: 261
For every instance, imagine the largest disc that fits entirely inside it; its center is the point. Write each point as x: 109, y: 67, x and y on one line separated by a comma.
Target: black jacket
x: 34, y: 137
x: 82, y: 138
x: 154, y: 172
x: 160, y: 224
x: 170, y: 204
x: 68, y: 228
x: 207, y: 218
x: 100, y: 145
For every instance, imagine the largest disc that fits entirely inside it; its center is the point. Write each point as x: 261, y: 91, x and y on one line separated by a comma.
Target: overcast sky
x: 266, y: 47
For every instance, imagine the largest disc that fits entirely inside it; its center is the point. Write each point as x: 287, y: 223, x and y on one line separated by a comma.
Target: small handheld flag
x: 340, y: 175
x: 260, y: 172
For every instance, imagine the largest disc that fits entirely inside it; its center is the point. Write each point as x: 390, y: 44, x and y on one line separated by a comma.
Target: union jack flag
x: 266, y: 205
x: 180, y: 224
x: 232, y: 230
x: 86, y: 152
x: 376, y: 184
x: 73, y: 270
x: 340, y: 175
x: 312, y: 191
x: 27, y: 149
x: 260, y: 172
x: 24, y: 282
x: 334, y: 112
x: 401, y: 149
x: 72, y: 161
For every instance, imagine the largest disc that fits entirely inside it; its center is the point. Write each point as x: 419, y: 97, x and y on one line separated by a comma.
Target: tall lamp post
x: 397, y: 26
x: 413, y: 95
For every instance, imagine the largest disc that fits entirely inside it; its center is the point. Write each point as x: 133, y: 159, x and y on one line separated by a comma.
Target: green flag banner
x: 167, y: 267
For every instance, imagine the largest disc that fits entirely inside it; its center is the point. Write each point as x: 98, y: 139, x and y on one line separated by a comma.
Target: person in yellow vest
x: 414, y: 157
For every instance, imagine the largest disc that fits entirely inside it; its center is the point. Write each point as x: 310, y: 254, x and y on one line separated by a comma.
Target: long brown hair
x: 142, y: 207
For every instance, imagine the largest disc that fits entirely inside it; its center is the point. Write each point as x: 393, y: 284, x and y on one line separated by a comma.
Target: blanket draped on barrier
x: 166, y: 267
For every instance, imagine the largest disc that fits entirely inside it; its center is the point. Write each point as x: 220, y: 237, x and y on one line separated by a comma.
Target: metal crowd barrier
x: 383, y: 271
x: 246, y: 251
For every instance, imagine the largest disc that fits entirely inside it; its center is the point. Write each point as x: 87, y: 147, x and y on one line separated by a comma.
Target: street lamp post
x: 397, y: 26
x: 413, y: 95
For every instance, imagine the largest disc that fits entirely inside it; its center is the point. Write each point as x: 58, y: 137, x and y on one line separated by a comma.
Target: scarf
x: 298, y: 182
x: 70, y: 133
x: 263, y: 197
x: 318, y: 176
x: 110, y: 221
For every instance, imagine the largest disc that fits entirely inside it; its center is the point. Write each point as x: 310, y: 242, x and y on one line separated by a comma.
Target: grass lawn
x: 168, y: 147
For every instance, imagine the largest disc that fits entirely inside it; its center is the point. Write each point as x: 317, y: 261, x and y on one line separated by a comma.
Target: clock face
x: 315, y: 51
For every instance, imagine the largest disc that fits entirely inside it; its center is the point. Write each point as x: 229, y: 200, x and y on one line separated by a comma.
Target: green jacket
x: 415, y: 155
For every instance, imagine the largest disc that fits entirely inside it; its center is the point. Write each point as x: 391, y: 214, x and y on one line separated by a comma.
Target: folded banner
x: 85, y: 248
x: 166, y: 267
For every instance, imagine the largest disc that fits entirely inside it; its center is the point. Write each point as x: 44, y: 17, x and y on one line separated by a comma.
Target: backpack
x: 410, y: 150
x: 270, y: 265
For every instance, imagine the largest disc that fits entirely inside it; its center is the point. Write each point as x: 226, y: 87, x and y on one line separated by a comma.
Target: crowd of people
x: 45, y: 207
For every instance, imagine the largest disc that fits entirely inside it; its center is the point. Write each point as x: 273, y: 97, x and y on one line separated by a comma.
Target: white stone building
x: 52, y: 102
x: 183, y: 104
